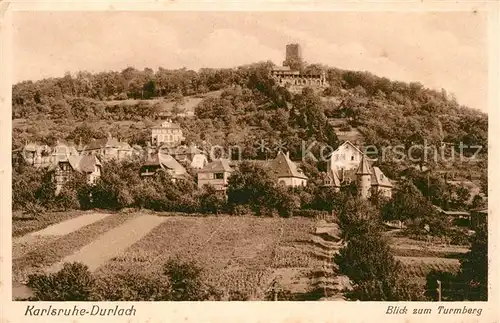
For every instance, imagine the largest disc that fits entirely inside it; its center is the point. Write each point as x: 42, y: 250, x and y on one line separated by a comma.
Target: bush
x: 73, y: 282
x: 450, y: 286
x: 311, y: 213
x: 186, y: 282
x: 130, y: 286
x: 241, y: 210
x: 33, y: 210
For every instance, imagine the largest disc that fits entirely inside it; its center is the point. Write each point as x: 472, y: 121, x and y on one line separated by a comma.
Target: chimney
x: 287, y: 155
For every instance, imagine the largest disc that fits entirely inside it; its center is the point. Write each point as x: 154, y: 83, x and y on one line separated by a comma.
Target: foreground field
x: 241, y: 254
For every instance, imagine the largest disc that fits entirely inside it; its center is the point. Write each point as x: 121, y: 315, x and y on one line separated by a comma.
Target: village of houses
x: 168, y: 152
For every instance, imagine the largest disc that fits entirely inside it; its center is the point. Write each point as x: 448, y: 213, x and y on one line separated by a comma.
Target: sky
x: 441, y: 50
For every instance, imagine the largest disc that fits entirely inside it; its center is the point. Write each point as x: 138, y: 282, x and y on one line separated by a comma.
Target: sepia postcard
x: 249, y: 162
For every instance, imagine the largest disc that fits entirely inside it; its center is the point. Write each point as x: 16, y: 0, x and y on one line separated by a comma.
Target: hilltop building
x: 168, y: 133
x: 293, y: 57
x: 291, y: 76
x: 349, y: 164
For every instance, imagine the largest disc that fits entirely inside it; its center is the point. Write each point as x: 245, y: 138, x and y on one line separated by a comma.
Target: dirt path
x: 111, y: 243
x: 31, y: 241
x: 68, y: 226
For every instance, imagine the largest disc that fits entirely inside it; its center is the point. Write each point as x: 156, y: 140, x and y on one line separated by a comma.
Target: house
x: 62, y: 152
x: 346, y: 157
x: 286, y: 172
x: 168, y: 133
x: 36, y: 155
x: 107, y: 149
x: 199, y: 161
x: 370, y: 179
x: 190, y: 155
x: 157, y: 161
x: 215, y: 174
x: 89, y: 165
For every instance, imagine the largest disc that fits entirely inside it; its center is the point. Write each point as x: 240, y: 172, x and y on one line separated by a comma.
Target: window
x: 352, y: 158
x: 219, y: 175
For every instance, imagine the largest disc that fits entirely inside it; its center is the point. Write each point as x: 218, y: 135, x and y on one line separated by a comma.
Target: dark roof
x: 102, y: 143
x: 219, y: 165
x: 332, y: 174
x: 363, y: 168
x: 282, y: 166
x: 379, y: 178
x: 84, y: 163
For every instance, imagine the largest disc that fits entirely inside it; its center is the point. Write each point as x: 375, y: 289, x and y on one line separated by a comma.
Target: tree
x: 113, y: 189
x: 61, y: 110
x: 250, y: 185
x: 211, y: 201
x: 357, y: 217
x: 132, y: 286
x: 474, y: 267
x: 367, y: 260
x: 186, y: 281
x: 407, y: 204
x: 73, y: 282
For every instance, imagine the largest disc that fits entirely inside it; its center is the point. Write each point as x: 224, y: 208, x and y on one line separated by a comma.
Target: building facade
x: 107, y: 149
x: 167, y: 134
x: 348, y: 164
x: 216, y: 174
x: 290, y: 75
x: 286, y: 172
x: 89, y: 165
x: 160, y: 161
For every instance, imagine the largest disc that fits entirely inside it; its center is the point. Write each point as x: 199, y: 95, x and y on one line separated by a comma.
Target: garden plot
x: 237, y: 253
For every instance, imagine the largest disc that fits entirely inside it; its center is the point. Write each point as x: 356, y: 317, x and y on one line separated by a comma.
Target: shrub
x: 130, y: 286
x: 186, y: 281
x: 241, y: 210
x: 73, y: 282
x: 450, y: 290
x: 311, y: 213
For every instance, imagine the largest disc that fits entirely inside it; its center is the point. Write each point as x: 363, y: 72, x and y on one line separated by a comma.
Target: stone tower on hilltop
x: 293, y: 57
x: 363, y: 177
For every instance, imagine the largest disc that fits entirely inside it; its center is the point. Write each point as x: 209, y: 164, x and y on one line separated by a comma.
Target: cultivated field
x: 238, y: 254
x: 419, y: 257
